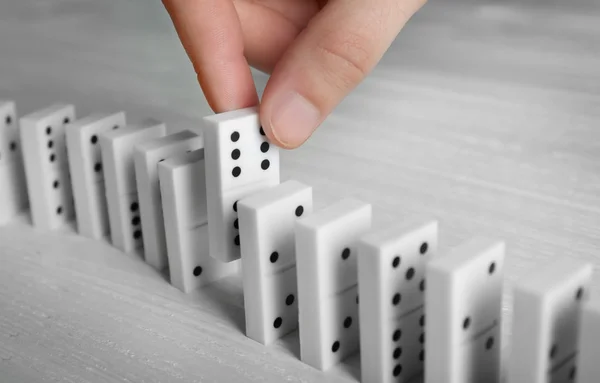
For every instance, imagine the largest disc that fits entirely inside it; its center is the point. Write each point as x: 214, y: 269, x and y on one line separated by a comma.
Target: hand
x: 317, y: 51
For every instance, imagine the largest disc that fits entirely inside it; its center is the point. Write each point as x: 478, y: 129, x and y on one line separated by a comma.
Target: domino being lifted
x: 546, y: 321
x: 183, y: 189
x: 120, y: 181
x: 391, y: 284
x: 85, y: 164
x: 239, y: 162
x: 13, y: 189
x: 463, y: 302
x: 46, y: 166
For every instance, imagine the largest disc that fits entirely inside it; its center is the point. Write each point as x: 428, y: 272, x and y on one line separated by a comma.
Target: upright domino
x: 547, y: 309
x: 463, y: 301
x: 391, y: 284
x: 183, y: 189
x: 327, y: 281
x: 239, y: 162
x: 147, y: 155
x: 266, y: 224
x: 13, y: 190
x: 46, y: 165
x: 85, y: 164
x: 588, y: 368
x: 120, y: 183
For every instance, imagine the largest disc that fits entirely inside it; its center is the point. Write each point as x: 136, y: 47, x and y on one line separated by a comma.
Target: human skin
x: 316, y: 51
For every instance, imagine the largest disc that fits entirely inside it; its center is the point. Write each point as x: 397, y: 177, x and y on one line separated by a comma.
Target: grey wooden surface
x: 483, y: 115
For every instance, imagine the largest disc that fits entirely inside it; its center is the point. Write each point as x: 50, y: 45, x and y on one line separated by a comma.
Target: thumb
x: 339, y: 47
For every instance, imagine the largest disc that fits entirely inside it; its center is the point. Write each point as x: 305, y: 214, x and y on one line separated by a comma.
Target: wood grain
x: 483, y: 115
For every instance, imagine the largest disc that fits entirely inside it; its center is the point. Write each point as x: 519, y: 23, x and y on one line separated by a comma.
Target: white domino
x: 588, y: 368
x: 266, y: 223
x: 147, y: 155
x: 183, y: 189
x: 85, y: 164
x: 463, y: 301
x: 327, y: 281
x: 391, y: 284
x: 547, y: 309
x: 46, y: 165
x: 13, y: 189
x: 120, y: 183
x: 239, y: 162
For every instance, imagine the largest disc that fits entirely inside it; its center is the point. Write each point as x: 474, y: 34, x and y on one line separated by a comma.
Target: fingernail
x: 294, y: 119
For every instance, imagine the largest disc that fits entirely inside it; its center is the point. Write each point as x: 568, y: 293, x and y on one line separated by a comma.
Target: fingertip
x: 288, y: 118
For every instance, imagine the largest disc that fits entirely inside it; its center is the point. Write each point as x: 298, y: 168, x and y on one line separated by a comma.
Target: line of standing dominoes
x: 196, y: 201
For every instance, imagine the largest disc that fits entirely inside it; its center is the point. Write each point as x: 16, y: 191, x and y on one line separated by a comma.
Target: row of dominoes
x: 198, y: 202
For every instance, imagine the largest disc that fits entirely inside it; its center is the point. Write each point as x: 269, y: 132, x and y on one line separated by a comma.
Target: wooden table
x: 483, y: 116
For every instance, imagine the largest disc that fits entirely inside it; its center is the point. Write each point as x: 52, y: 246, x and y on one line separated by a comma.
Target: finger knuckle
x: 346, y: 58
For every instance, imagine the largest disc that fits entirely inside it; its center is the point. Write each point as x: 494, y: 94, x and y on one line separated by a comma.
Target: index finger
x: 211, y: 34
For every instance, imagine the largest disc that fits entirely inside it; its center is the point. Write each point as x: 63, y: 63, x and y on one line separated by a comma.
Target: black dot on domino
x: 235, y: 136
x: 289, y: 300
x: 410, y: 273
x: 8, y: 120
x: 59, y: 210
x: 197, y: 271
x: 397, y: 352
x: 115, y: 127
x: 579, y: 294
x: 345, y: 253
x: 422, y: 355
x: 52, y: 157
x: 489, y: 343
x: 422, y: 320
x: 572, y: 373
x: 94, y: 139
x: 236, y: 224
x: 55, y: 184
x: 66, y: 120
x: 236, y: 171
x: 278, y: 322
x: 492, y: 268
x: 262, y: 131
x: 264, y: 147
x: 235, y: 206
x: 466, y: 323
x: 137, y: 234
x: 347, y: 322
x: 49, y: 130
x: 235, y: 154
x: 274, y: 257
x: 397, y: 335
x: 397, y: 370
x: 335, y: 346
x: 98, y: 167
x: 396, y: 299
x: 422, y: 285
x: 396, y: 262
x: 264, y: 165
x: 422, y: 338
x: 135, y: 221
x: 299, y: 211
x: 13, y: 146
x: 236, y: 240
x: 423, y: 248
x: 134, y: 206
x: 161, y: 160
